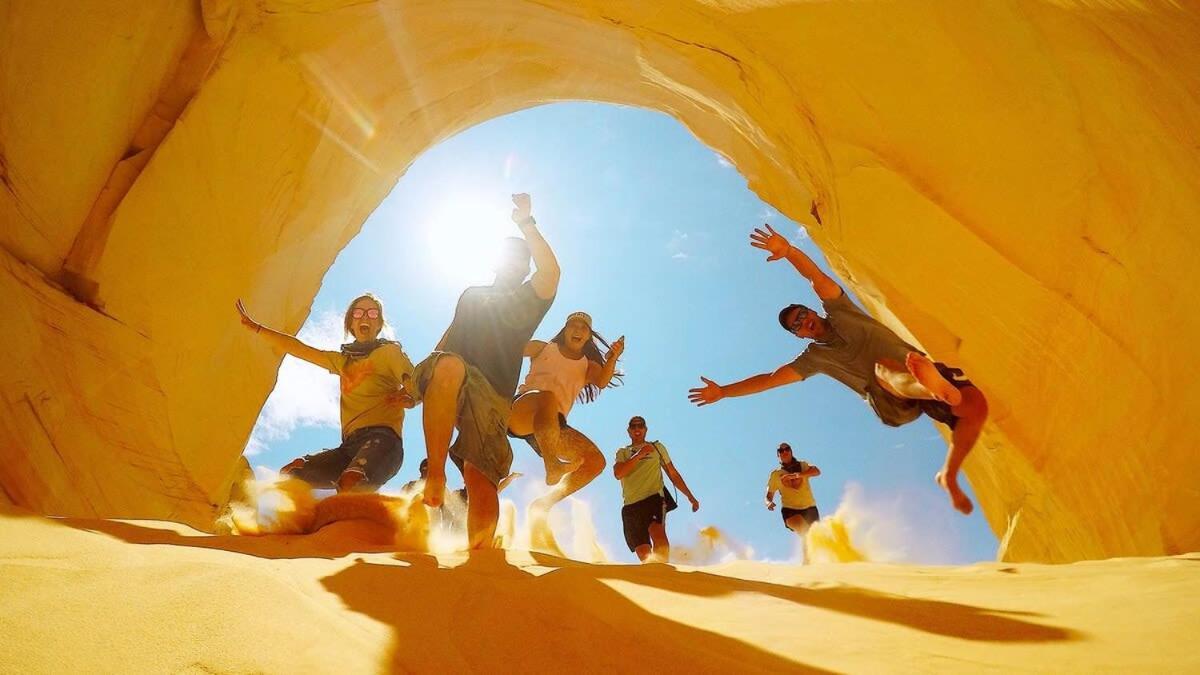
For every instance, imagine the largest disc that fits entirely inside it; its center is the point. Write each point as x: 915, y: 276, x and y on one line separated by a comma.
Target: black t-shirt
x: 490, y: 329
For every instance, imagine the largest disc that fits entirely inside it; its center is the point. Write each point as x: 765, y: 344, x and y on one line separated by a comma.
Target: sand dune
x: 138, y: 596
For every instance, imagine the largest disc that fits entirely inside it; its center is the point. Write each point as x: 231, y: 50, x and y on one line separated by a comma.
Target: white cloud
x: 725, y: 163
x: 680, y: 256
x: 305, y: 395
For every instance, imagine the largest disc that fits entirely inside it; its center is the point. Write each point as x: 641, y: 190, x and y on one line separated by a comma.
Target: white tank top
x: 551, y: 371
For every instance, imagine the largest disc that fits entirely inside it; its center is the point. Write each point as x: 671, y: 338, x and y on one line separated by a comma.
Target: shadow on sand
x: 488, y: 613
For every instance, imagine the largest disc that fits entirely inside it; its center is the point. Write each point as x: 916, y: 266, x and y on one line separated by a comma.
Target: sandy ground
x: 137, y: 596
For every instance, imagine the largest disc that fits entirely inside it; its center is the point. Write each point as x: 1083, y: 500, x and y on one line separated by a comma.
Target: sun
x: 465, y: 229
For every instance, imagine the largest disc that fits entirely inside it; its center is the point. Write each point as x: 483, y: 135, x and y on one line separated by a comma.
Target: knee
x: 546, y: 409
x: 594, y: 458
x: 449, y: 369
x: 974, y: 404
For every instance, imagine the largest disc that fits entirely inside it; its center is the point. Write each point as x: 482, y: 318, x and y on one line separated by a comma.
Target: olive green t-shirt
x: 857, y: 341
x: 370, y: 386
x: 646, y: 478
x: 793, y: 498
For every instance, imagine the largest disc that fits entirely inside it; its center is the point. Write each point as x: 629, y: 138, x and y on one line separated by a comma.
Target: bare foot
x: 957, y: 496
x: 929, y: 377
x: 435, y: 489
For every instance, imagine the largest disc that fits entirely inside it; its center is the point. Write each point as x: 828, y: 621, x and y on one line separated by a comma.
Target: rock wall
x: 1013, y: 184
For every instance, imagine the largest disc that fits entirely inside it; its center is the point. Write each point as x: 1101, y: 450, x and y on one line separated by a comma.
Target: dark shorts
x: 895, y: 411
x: 637, y: 518
x: 810, y: 515
x: 481, y: 420
x: 375, y: 452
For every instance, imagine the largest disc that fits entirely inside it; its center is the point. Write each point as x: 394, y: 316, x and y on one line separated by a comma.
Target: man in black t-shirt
x: 469, y: 380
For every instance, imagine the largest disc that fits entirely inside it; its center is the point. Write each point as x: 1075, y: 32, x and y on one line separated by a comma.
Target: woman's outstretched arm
x: 282, y: 342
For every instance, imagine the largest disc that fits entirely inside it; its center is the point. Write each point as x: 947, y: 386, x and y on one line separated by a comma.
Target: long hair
x: 348, y: 321
x: 593, y: 353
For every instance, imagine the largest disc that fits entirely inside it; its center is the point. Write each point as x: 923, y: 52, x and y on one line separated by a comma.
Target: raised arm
x: 677, y: 479
x: 712, y: 392
x: 545, y: 279
x: 533, y: 348
x: 779, y: 247
x: 282, y: 342
x: 601, y: 375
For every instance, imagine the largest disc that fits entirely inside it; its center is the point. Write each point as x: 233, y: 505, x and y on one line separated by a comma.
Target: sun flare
x: 465, y: 230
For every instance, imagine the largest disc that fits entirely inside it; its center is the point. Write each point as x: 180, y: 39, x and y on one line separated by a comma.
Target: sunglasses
x: 358, y: 313
x: 800, y: 317
x: 637, y: 425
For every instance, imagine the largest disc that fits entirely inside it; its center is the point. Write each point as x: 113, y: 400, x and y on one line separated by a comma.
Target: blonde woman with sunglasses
x: 373, y: 372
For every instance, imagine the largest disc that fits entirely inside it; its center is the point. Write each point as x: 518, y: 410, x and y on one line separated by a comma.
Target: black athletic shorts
x: 810, y: 515
x: 375, y: 452
x: 895, y: 411
x: 637, y: 518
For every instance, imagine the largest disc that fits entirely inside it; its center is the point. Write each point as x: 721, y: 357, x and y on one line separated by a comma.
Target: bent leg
x: 927, y: 374
x: 520, y: 420
x: 591, y: 464
x: 319, y: 470
x: 547, y: 431
x: 483, y: 508
x: 972, y: 413
x: 440, y: 401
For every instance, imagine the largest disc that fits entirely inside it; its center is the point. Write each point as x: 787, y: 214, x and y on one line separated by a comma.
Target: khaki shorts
x: 481, y: 420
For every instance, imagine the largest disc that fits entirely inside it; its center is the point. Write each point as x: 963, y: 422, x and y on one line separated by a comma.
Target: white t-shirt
x: 553, y: 372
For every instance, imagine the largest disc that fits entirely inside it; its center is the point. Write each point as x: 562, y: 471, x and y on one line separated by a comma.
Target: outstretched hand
x: 695, y: 504
x: 246, y: 320
x: 615, y: 349
x: 522, y: 207
x: 710, y: 393
x: 770, y: 241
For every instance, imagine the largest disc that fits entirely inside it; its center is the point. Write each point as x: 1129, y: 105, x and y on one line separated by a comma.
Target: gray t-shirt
x: 849, y: 353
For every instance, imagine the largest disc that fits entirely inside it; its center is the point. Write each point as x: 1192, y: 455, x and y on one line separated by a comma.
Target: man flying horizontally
x: 896, y: 379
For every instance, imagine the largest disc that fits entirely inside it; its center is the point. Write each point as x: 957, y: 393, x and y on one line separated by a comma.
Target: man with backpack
x: 639, y: 467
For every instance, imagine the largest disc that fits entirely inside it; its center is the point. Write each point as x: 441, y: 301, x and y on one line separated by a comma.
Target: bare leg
x: 662, y: 547
x: 894, y: 377
x: 548, y: 434
x: 574, y: 444
x: 349, y: 479
x: 438, y: 417
x: 483, y: 508
x: 798, y: 525
x: 642, y: 552
x: 927, y: 374
x: 972, y: 413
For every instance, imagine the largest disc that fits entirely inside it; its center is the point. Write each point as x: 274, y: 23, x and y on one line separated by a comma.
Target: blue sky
x: 651, y: 230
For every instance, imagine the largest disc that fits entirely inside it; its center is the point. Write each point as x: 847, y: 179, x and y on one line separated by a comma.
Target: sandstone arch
x: 158, y: 159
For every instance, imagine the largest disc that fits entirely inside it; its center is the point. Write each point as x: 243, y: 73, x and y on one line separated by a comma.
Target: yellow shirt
x: 370, y: 387
x: 646, y: 478
x: 793, y: 498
